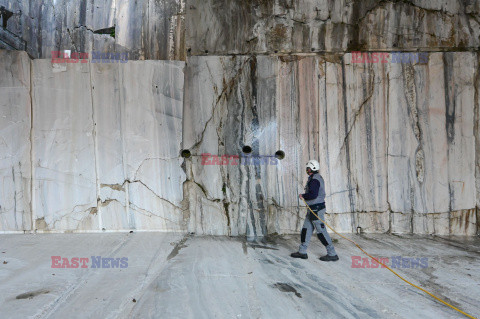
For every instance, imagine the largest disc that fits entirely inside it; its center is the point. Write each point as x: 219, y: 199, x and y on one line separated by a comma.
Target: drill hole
x: 247, y: 149
x: 280, y: 154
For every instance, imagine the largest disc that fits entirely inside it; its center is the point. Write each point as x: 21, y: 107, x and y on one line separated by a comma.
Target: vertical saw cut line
x: 396, y: 274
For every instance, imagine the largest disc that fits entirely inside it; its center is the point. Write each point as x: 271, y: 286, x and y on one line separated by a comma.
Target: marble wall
x: 103, y: 150
x: 396, y: 142
x: 139, y: 129
x: 15, y: 146
x: 91, y: 146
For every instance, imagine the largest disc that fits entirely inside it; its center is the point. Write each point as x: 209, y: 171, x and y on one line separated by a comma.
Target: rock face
x: 168, y: 29
x: 91, y: 146
x: 299, y: 26
x: 145, y: 29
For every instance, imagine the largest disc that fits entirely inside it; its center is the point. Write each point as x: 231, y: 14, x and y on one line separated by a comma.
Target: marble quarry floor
x: 167, y: 275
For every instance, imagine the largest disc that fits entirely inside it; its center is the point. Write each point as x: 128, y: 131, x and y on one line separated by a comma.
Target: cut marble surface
x: 181, y: 276
x: 147, y: 132
x: 96, y: 135
x: 439, y: 159
x: 476, y: 128
x: 145, y: 144
x: 396, y: 146
x: 15, y: 146
x: 227, y: 120
x: 120, y: 169
x: 111, y: 186
x: 64, y: 183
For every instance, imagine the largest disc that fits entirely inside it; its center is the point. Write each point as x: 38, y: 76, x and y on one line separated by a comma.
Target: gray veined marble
x: 91, y: 146
x: 396, y: 142
x: 138, y: 138
x: 15, y: 146
x: 173, y: 29
x: 302, y: 26
x: 104, y: 154
x: 294, y: 98
x: 64, y: 183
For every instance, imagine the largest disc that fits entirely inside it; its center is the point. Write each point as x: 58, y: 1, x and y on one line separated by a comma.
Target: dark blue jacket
x: 313, y: 187
x: 315, y: 190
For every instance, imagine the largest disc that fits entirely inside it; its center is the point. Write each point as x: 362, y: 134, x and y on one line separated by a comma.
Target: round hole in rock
x: 186, y: 153
x: 247, y: 149
x: 280, y: 154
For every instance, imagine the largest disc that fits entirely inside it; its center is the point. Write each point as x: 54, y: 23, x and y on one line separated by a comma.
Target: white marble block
x: 64, y: 186
x: 106, y: 154
x: 138, y: 137
x: 151, y: 114
x: 15, y: 145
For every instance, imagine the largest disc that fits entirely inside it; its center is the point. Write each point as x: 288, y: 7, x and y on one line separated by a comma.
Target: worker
x: 315, y: 198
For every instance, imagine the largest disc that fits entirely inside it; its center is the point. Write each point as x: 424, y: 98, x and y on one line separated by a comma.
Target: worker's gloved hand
x: 300, y: 196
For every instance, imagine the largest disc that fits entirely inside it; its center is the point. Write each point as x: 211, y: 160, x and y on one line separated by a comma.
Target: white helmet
x: 313, y: 165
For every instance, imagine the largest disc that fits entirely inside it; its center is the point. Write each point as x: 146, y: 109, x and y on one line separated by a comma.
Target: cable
x: 396, y: 274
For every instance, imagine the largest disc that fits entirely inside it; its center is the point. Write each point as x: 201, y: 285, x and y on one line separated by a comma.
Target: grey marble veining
x: 15, y: 146
x: 395, y: 143
x: 138, y: 144
x: 63, y: 138
x: 173, y: 29
x: 302, y: 26
x: 105, y: 155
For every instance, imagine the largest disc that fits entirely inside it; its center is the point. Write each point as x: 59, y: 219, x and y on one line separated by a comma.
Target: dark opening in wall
x: 247, y: 149
x: 280, y: 154
x: 5, y: 14
x: 186, y: 153
x: 110, y: 31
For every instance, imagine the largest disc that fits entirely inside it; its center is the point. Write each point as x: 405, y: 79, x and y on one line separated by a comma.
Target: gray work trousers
x: 310, y: 222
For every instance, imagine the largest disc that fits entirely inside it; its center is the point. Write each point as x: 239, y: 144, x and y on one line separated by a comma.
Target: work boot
x: 329, y: 258
x: 299, y: 255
